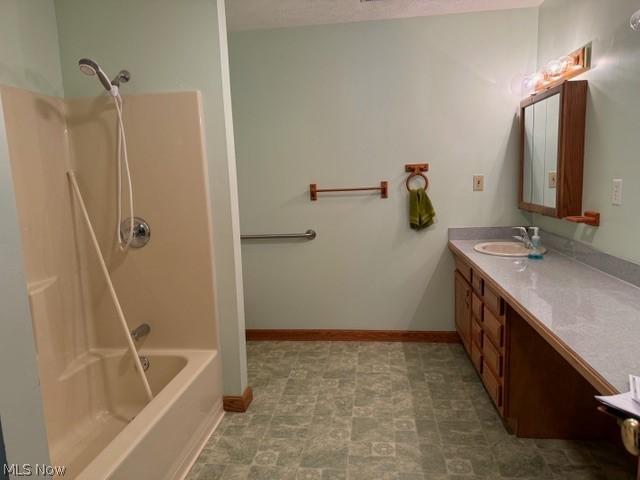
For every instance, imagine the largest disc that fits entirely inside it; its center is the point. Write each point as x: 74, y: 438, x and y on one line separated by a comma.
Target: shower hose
x: 123, y: 161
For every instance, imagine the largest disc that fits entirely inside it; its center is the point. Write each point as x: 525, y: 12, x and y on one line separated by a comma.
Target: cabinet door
x: 463, y: 310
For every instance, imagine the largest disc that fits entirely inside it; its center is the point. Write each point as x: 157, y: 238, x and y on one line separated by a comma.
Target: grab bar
x: 309, y: 235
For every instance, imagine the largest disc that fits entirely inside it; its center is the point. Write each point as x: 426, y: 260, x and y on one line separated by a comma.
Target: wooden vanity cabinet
x: 463, y: 310
x: 522, y: 372
x: 538, y: 391
x: 481, y: 324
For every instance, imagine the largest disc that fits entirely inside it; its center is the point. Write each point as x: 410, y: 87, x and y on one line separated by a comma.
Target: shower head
x: 91, y: 68
x: 635, y: 21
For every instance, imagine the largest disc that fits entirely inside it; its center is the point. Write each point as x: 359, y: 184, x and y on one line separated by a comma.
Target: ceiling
x: 254, y: 14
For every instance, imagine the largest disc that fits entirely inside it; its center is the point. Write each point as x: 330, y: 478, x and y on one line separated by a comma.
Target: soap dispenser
x: 536, y: 244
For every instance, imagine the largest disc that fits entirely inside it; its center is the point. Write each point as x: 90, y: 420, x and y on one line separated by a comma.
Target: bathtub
x: 117, y: 435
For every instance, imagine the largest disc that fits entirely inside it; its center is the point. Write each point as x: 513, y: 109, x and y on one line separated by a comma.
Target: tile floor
x: 369, y: 411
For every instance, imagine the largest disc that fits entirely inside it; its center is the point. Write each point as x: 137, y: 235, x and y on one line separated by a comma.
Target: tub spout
x: 140, y: 331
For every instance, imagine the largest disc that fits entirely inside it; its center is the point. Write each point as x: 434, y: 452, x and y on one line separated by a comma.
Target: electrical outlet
x: 616, y: 192
x: 478, y: 183
x: 553, y: 179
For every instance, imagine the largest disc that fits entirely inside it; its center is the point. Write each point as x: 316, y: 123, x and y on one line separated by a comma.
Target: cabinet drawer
x: 477, y: 282
x: 492, y: 384
x: 492, y: 357
x: 464, y: 269
x: 476, y: 357
x: 493, y: 327
x: 493, y: 301
x: 476, y: 306
x: 476, y: 333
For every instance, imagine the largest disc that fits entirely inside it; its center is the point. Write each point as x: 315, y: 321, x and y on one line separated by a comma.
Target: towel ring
x: 415, y: 174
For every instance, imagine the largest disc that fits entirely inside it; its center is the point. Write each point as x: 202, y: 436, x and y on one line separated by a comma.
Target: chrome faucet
x: 140, y: 332
x: 523, y: 237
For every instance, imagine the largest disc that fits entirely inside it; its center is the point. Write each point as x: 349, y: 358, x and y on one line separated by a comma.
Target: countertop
x: 595, y: 316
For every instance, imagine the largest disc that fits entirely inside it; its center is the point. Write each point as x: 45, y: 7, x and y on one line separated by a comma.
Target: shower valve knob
x: 141, y: 232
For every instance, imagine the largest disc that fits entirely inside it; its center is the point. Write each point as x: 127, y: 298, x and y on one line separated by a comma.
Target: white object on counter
x: 634, y: 387
x: 622, y: 402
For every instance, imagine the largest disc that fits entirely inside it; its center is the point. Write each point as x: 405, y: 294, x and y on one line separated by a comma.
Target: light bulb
x: 530, y: 82
x: 635, y: 21
x: 555, y: 68
x: 568, y: 61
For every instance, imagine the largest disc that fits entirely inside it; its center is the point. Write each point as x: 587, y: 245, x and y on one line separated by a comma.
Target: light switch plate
x: 478, y: 183
x: 616, y: 192
x: 553, y: 179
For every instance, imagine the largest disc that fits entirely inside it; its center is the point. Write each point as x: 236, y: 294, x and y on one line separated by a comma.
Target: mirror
x: 541, y: 152
x: 552, y: 131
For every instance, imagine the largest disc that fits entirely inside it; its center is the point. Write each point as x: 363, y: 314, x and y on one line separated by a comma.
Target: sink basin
x: 503, y: 249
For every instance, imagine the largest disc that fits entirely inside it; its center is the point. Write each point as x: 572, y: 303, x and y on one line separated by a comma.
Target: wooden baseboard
x: 353, y: 336
x: 240, y: 403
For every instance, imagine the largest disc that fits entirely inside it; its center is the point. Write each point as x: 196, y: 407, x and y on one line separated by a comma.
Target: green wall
x: 29, y: 56
x: 166, y: 45
x: 28, y: 59
x: 170, y: 46
x: 20, y: 401
x: 349, y: 105
x: 613, y: 121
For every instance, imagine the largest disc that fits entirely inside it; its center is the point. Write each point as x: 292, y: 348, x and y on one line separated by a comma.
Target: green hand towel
x: 421, y: 210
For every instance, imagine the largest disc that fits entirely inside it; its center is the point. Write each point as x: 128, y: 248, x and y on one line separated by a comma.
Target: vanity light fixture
x: 530, y: 82
x: 560, y: 69
x: 635, y: 21
x: 556, y: 68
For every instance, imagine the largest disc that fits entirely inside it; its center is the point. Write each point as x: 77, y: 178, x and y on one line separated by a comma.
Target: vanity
x: 516, y: 328
x: 546, y: 336
x: 539, y: 333
x: 521, y: 323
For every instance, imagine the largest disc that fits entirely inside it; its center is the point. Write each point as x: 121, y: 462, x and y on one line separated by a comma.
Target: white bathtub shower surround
x: 159, y: 441
x: 119, y: 38
x: 94, y: 402
x: 177, y: 30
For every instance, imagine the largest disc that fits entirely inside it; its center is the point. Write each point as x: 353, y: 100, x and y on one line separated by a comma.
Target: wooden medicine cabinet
x: 552, y: 126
